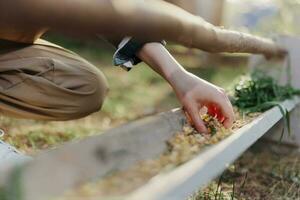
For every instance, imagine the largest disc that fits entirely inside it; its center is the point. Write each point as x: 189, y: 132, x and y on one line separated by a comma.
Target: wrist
x: 177, y: 76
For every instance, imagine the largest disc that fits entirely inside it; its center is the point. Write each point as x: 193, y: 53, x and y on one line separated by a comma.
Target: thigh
x: 45, y: 81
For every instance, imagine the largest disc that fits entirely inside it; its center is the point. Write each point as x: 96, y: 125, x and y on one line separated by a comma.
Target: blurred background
x: 141, y: 92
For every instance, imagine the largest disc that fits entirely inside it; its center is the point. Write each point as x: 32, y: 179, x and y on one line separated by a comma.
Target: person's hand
x: 194, y: 93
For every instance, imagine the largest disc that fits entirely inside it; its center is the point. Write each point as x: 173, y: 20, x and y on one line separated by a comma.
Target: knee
x: 101, y: 89
x: 93, y: 101
x: 88, y: 92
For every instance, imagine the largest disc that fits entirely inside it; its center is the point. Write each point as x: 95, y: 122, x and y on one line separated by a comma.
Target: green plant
x: 260, y: 92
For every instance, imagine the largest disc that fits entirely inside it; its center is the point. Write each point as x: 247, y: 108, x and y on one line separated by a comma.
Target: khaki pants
x: 45, y: 81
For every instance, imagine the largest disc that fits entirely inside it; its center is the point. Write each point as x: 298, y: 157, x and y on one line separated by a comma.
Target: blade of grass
x: 218, y: 186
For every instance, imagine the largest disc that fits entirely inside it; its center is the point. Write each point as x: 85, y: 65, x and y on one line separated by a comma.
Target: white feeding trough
x: 198, y: 172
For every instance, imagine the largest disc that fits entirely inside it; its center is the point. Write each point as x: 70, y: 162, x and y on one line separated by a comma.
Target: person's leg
x: 47, y: 82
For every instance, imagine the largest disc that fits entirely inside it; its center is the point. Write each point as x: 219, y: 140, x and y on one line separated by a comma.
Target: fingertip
x: 200, y: 126
x: 196, y: 119
x: 202, y: 129
x: 228, y: 113
x: 228, y: 123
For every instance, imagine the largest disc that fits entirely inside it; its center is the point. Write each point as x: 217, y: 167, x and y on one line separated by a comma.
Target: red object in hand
x: 215, y: 111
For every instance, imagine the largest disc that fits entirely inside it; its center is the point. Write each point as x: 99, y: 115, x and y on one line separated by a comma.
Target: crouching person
x: 44, y: 81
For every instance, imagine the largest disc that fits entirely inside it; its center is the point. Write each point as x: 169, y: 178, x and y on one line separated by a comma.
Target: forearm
x: 150, y: 19
x: 161, y: 61
x: 157, y: 57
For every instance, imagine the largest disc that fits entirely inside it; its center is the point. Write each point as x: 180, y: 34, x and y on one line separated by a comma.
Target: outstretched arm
x: 192, y: 92
x: 149, y: 19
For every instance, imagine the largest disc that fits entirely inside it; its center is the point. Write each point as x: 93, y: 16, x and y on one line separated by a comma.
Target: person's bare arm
x: 192, y: 92
x: 150, y: 19
x: 157, y: 19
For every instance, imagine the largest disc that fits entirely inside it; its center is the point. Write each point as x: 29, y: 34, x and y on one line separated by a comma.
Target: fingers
x: 227, y: 109
x: 193, y: 112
